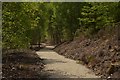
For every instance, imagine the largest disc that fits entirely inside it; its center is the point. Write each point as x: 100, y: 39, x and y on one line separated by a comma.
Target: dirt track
x: 58, y: 66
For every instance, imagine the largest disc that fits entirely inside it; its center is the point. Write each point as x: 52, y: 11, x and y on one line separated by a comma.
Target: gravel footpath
x: 57, y: 66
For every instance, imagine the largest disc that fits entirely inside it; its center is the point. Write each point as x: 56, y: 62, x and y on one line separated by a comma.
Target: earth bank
x: 101, y: 54
x: 21, y: 63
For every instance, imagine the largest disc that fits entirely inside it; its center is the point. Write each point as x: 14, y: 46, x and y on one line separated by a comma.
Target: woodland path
x: 57, y: 66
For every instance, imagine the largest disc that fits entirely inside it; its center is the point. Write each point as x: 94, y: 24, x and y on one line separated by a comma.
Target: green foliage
x: 95, y: 16
x: 32, y: 23
x: 20, y: 24
x: 14, y: 25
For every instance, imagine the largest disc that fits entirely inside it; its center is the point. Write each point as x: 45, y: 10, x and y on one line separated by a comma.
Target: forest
x: 26, y: 23
x: 86, y: 32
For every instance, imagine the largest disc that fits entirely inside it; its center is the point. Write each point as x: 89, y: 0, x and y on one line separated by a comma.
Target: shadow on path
x: 57, y: 66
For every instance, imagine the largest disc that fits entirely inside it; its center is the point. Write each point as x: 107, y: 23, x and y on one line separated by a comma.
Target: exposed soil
x: 57, y: 66
x: 21, y: 63
x: 101, y: 54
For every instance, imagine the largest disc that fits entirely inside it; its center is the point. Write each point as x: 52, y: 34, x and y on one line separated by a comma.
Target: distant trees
x: 94, y: 17
x: 33, y: 23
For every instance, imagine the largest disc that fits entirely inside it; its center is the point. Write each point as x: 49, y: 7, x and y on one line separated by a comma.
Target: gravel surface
x: 57, y: 66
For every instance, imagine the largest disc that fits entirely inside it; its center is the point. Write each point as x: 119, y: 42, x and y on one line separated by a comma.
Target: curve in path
x: 57, y: 66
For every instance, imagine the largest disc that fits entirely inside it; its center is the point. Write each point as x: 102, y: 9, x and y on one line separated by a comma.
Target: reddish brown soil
x: 101, y: 54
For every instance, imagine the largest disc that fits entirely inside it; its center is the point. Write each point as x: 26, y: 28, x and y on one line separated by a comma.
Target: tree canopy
x: 26, y: 23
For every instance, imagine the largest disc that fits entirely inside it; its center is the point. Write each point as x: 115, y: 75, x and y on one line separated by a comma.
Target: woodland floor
x: 45, y: 64
x: 49, y: 64
x: 21, y: 64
